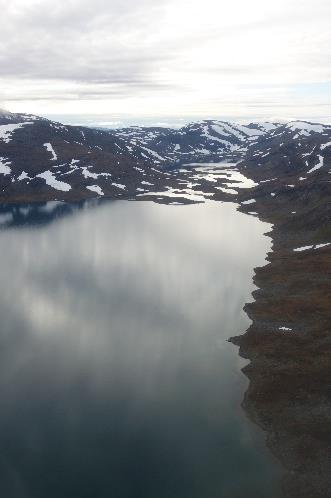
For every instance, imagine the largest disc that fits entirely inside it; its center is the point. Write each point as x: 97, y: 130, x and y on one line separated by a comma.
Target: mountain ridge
x: 46, y: 160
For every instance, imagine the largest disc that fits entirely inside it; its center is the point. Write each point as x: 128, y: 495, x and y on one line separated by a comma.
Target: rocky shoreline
x: 289, y: 341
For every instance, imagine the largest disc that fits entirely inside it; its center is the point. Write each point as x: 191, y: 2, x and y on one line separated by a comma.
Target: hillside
x: 43, y: 160
x: 289, y: 341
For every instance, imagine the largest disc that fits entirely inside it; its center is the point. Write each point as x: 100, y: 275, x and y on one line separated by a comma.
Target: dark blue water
x: 116, y: 377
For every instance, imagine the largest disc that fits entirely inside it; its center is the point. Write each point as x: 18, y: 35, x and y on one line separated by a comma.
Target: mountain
x: 44, y: 160
x: 203, y: 141
x: 292, y: 164
x: 297, y: 146
x: 289, y: 341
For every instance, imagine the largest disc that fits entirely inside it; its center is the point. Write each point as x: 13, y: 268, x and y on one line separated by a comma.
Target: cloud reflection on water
x: 113, y: 347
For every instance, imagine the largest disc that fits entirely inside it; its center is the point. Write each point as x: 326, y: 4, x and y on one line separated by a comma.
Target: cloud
x: 165, y: 56
x: 75, y: 41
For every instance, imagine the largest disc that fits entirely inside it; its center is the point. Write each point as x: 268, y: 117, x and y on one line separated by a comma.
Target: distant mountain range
x: 44, y: 160
x: 203, y: 141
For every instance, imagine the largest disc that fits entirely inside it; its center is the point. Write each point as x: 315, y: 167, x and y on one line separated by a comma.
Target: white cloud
x: 166, y: 57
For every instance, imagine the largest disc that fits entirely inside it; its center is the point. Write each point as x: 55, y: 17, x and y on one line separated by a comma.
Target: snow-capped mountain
x: 291, y: 167
x: 45, y: 160
x: 203, y: 141
x: 297, y: 148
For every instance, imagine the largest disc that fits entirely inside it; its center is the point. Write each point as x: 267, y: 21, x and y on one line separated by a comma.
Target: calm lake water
x: 116, y: 377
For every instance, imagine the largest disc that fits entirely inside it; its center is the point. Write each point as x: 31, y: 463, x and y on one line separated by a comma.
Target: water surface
x: 116, y: 377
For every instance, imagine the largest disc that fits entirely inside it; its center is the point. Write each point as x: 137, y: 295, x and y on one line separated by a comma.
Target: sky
x: 166, y: 59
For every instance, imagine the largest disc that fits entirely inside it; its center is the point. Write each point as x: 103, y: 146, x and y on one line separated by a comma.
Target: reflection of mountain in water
x: 20, y: 215
x: 192, y: 184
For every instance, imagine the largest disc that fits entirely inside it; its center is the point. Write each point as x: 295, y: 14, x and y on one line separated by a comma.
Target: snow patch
x: 318, y: 165
x: 250, y: 201
x: 317, y: 246
x: 322, y: 245
x: 23, y: 176
x: 7, y: 130
x: 119, y: 185
x: 227, y: 190
x: 215, y: 139
x: 50, y: 149
x: 88, y: 174
x: 303, y: 248
x: 153, y: 153
x: 4, y: 166
x: 50, y: 180
x: 95, y: 188
x: 305, y: 128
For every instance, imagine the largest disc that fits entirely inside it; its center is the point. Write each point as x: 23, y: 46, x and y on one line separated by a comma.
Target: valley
x: 277, y: 173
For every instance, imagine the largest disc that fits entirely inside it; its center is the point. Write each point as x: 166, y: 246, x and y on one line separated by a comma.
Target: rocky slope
x: 204, y: 141
x: 289, y: 341
x: 43, y: 160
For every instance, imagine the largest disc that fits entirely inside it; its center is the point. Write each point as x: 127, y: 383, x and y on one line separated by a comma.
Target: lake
x: 116, y: 376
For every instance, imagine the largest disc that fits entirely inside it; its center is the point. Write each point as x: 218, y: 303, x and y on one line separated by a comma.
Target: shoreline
x: 289, y: 341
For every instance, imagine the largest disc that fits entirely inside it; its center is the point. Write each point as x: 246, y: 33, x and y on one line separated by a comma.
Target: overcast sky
x: 209, y: 58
